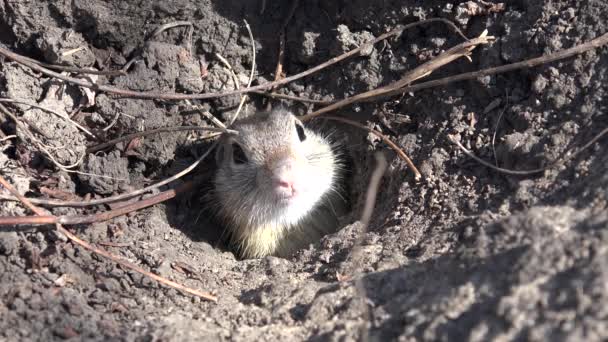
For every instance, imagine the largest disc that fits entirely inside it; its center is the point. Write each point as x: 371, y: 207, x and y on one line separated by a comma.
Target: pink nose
x: 285, y: 187
x: 285, y: 183
x: 283, y: 176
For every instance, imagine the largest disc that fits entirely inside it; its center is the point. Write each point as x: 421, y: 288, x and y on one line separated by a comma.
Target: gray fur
x: 243, y: 193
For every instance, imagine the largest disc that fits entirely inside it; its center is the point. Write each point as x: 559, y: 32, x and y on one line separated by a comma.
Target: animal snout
x: 286, y: 183
x: 283, y: 176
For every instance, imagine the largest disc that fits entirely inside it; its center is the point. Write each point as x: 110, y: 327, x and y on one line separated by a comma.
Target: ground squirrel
x: 278, y: 185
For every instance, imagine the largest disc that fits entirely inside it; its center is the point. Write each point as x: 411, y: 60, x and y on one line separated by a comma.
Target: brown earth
x: 466, y: 254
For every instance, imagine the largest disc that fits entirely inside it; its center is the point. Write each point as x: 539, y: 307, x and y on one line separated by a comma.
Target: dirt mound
x: 468, y: 253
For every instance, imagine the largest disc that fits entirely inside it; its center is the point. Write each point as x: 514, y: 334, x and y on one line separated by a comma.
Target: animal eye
x: 300, y: 130
x: 238, y: 155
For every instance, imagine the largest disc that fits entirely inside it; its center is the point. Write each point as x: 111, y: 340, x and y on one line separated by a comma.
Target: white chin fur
x: 293, y: 210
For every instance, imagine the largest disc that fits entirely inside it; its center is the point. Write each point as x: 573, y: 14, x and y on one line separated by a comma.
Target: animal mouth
x: 284, y: 177
x: 286, y: 190
x: 286, y: 196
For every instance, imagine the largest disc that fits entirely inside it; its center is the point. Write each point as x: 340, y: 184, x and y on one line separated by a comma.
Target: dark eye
x: 300, y: 130
x: 238, y: 155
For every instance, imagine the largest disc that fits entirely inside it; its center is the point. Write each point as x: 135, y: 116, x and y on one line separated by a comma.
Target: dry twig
x: 368, y: 209
x: 372, y: 191
x: 98, y: 217
x: 174, y: 96
x: 7, y: 137
x: 278, y: 72
x: 42, y: 147
x: 170, y: 25
x: 400, y: 87
x: 502, y: 112
x: 113, y: 142
x: 460, y: 50
x: 104, y: 253
x: 78, y: 70
x: 253, y: 65
x: 117, y: 198
x: 293, y: 98
x: 559, y: 161
x: 529, y: 63
x: 167, y: 26
x: 48, y: 110
x: 386, y: 140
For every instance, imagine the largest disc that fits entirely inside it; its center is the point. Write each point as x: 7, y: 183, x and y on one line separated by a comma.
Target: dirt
x: 468, y: 253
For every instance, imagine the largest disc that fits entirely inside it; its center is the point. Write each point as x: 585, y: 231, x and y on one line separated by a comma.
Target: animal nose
x: 285, y: 183
x: 283, y: 174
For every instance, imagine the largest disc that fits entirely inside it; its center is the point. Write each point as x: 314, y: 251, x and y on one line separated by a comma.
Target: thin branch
x: 167, y: 26
x: 559, y: 161
x: 118, y: 260
x: 502, y: 112
x: 529, y: 63
x: 372, y: 191
x: 458, y: 51
x: 155, y: 95
x: 43, y: 219
x: 113, y: 142
x: 208, y: 115
x: 45, y: 149
x: 368, y: 209
x: 23, y: 199
x: 293, y: 98
x: 60, y: 115
x: 54, y: 203
x: 496, y: 168
x: 386, y: 140
x: 278, y: 71
x: 253, y: 66
x: 13, y: 221
x: 228, y: 66
x: 98, y: 251
x: 394, y: 88
x: 8, y: 137
x: 78, y: 70
x: 72, y: 51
